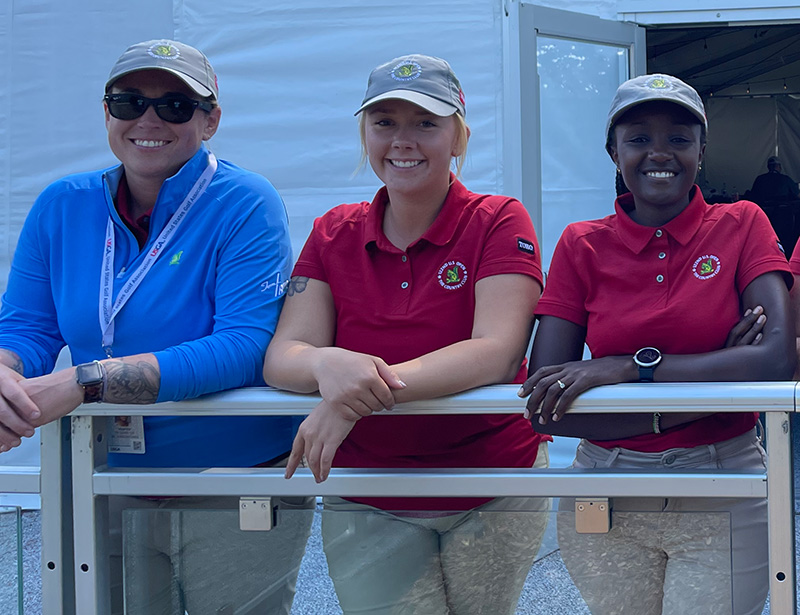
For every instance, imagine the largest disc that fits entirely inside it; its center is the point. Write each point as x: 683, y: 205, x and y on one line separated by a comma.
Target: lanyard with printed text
x: 108, y: 311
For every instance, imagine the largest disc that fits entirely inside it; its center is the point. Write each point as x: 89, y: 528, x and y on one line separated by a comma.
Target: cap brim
x: 430, y: 104
x: 620, y: 112
x: 194, y: 84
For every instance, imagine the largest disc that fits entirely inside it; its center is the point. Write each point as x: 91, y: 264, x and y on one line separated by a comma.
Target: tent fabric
x: 291, y: 74
x: 743, y: 133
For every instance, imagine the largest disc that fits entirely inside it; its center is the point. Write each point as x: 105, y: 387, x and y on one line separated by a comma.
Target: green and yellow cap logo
x: 164, y: 51
x: 659, y: 83
x: 406, y: 71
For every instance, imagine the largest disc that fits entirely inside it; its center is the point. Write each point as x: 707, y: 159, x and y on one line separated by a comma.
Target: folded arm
x: 558, y: 347
x: 354, y: 384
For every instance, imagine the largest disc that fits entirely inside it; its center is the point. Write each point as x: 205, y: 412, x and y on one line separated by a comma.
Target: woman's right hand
x: 318, y: 439
x: 748, y: 330
x: 17, y: 412
x: 355, y: 384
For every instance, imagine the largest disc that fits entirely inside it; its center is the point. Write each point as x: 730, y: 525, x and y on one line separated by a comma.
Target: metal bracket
x: 592, y: 515
x: 257, y: 514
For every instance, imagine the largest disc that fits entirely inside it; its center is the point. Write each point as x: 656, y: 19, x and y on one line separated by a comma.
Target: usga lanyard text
x: 109, y: 312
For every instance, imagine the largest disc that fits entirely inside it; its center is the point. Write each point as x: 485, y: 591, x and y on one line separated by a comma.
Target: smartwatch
x: 647, y: 359
x: 92, y: 377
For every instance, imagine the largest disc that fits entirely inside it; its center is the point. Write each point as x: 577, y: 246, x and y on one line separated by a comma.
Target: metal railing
x: 93, y: 481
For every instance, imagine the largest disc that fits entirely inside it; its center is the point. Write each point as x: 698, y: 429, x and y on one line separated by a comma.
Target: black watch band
x: 92, y: 377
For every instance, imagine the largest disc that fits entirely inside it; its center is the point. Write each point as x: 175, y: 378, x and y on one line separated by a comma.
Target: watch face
x: 648, y: 357
x: 89, y: 373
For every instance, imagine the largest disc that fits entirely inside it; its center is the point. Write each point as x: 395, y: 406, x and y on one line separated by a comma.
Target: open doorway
x: 749, y: 79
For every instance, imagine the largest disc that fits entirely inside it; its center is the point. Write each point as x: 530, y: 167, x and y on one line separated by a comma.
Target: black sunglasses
x: 173, y: 108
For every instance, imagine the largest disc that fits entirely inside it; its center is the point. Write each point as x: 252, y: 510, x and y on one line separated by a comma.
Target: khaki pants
x: 672, y: 556
x: 471, y: 563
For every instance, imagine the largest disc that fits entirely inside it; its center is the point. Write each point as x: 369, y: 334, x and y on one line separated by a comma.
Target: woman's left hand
x: 318, y: 439
x: 749, y: 329
x: 553, y: 388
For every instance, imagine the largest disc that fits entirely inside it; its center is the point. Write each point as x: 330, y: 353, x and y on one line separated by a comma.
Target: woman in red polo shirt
x: 654, y: 291
x: 418, y: 294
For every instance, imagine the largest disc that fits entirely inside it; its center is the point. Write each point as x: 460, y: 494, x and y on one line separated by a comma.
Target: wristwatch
x: 92, y: 377
x: 647, y: 359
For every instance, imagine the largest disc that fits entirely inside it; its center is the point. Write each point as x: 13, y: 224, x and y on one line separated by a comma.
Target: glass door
x: 570, y: 65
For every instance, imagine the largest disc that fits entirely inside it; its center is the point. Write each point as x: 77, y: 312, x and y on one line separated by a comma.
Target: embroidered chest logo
x: 176, y: 258
x: 452, y: 275
x: 706, y: 267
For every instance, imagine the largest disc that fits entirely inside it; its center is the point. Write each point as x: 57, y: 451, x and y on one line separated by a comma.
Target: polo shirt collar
x: 439, y: 233
x: 682, y: 228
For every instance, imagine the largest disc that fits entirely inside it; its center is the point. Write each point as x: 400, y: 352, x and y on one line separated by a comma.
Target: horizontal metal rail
x: 417, y: 482
x: 498, y: 399
x: 19, y: 479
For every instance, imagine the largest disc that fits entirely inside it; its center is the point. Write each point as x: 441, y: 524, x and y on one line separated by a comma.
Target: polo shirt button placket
x: 659, y: 232
x: 662, y: 255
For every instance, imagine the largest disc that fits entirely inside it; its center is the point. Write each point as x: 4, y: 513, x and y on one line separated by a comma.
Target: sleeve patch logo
x: 452, y: 275
x: 274, y: 285
x: 525, y: 245
x: 706, y: 267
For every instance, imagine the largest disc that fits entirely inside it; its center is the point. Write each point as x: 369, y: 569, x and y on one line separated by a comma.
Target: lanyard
x: 108, y: 311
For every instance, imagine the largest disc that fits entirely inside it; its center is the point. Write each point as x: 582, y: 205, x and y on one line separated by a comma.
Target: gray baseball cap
x: 180, y: 59
x: 423, y: 80
x: 647, y: 88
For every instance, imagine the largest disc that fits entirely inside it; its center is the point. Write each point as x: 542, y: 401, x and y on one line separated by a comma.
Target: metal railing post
x: 780, y: 502
x: 58, y: 581
x: 90, y: 518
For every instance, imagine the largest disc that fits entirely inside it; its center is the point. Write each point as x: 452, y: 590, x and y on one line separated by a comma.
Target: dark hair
x: 619, y: 184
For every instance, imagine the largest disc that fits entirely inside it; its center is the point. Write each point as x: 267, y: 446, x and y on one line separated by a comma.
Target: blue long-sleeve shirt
x: 207, y: 309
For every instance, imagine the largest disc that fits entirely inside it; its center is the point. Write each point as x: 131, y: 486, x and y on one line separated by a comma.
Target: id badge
x: 127, y: 435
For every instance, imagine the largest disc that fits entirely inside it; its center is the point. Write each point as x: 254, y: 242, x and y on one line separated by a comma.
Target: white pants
x: 672, y: 556
x: 470, y: 563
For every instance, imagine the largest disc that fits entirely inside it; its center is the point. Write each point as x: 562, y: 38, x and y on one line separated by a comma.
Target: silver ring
x: 561, y: 384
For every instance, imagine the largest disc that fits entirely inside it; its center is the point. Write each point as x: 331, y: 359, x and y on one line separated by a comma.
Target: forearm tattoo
x: 297, y: 285
x: 129, y: 383
x: 12, y: 360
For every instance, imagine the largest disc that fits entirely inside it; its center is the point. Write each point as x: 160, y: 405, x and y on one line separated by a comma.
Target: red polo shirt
x: 794, y: 262
x: 676, y: 287
x: 399, y: 305
x: 140, y: 227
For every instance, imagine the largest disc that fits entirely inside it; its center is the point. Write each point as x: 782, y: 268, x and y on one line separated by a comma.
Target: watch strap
x: 646, y: 374
x: 93, y: 387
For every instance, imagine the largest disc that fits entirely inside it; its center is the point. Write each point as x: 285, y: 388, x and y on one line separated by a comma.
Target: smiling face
x: 658, y: 148
x: 149, y: 148
x: 410, y: 149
